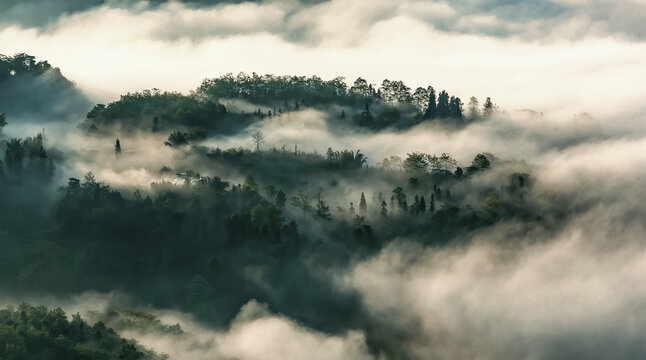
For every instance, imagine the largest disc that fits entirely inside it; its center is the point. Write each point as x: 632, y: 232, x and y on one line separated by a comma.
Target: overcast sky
x: 561, y: 57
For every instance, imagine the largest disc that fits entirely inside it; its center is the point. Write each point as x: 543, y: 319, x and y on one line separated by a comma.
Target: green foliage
x: 270, y: 89
x: 480, y: 163
x: 346, y: 159
x: 29, y: 332
x: 323, y: 210
x: 170, y: 109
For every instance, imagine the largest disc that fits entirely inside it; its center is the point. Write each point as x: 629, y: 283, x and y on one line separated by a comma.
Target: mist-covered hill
x: 35, y: 92
x: 293, y: 217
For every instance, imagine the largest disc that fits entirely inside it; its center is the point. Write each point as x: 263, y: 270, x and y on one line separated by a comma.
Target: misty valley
x: 292, y: 217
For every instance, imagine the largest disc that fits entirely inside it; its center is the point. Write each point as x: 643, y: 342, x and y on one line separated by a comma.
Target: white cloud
x: 110, y: 51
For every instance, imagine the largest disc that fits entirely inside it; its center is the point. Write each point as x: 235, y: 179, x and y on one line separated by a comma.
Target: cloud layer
x: 553, y: 56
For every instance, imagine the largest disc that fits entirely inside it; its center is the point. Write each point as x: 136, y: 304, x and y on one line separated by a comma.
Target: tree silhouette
x: 363, y: 207
x: 3, y: 121
x: 258, y: 139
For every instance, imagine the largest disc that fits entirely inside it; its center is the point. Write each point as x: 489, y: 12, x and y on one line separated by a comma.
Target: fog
x: 529, y: 243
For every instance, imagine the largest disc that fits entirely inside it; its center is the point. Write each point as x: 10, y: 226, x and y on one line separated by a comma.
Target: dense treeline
x: 35, y: 332
x: 392, y: 105
x: 191, y: 238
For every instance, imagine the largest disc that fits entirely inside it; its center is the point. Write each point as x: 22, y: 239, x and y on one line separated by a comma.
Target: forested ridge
x: 189, y: 240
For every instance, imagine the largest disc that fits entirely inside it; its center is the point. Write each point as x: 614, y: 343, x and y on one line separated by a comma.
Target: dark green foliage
x: 346, y: 159
x: 160, y: 110
x: 29, y: 332
x: 177, y: 138
x: 270, y: 89
x: 480, y: 163
x: 322, y: 210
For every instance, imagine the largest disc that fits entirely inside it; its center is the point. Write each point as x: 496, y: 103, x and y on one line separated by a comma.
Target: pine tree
x: 443, y: 106
x: 117, y: 147
x: 384, y: 210
x: 431, y: 109
x: 415, y: 208
x: 322, y: 210
x: 489, y: 108
x: 363, y: 207
x: 422, y: 205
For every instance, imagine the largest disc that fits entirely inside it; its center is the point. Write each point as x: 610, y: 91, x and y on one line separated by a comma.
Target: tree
x: 442, y: 162
x: 431, y: 109
x: 422, y: 205
x: 117, y: 147
x: 3, y: 121
x: 258, y: 139
x: 416, y: 162
x: 400, y: 199
x: 474, y: 111
x: 302, y: 201
x: 281, y: 198
x: 177, y: 138
x: 455, y: 108
x: 443, y: 105
x: 384, y: 210
x: 322, y: 210
x: 421, y: 98
x: 489, y: 108
x: 480, y: 162
x: 363, y: 208
x: 14, y: 154
x: 415, y: 207
x: 250, y: 183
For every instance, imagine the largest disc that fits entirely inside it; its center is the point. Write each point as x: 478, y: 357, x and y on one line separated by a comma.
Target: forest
x: 205, y: 204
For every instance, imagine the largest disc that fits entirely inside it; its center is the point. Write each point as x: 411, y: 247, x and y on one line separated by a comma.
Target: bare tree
x: 258, y: 139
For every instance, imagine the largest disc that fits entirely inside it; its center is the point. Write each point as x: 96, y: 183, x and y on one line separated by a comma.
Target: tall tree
x: 489, y: 108
x: 422, y: 205
x: 443, y: 105
x: 281, y: 198
x: 322, y: 210
x: 473, y: 109
x: 3, y: 121
x: 14, y: 154
x: 431, y: 108
x: 258, y: 139
x: 363, y: 207
x: 117, y: 147
x: 455, y: 108
x: 400, y: 199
